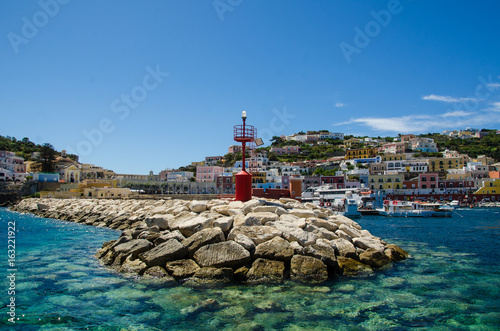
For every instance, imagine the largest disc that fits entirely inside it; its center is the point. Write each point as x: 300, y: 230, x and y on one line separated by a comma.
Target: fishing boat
x: 342, y: 201
x: 398, y: 208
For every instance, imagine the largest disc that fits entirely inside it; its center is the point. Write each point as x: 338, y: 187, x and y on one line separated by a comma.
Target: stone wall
x: 261, y: 240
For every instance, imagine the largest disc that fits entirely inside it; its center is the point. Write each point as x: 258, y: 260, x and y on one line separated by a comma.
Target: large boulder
x: 275, y: 249
x: 302, y: 212
x: 322, y: 252
x: 202, y: 238
x: 264, y: 217
x: 244, y: 241
x: 365, y: 243
x: 344, y: 248
x: 160, y: 220
x: 223, y: 254
x: 295, y: 220
x: 195, y: 224
x: 264, y: 270
x: 158, y: 272
x: 224, y: 223
x: 351, y: 231
x: 249, y: 205
x: 181, y: 269
x: 321, y: 223
x: 258, y: 234
x: 307, y: 268
x: 395, y: 253
x: 168, y: 251
x: 211, y: 274
x: 130, y: 266
x: 351, y: 267
x: 197, y: 206
x: 133, y: 247
x: 293, y: 233
x: 177, y: 235
x: 374, y: 258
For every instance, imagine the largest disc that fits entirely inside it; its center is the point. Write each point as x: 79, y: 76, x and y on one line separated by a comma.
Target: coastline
x: 259, y: 241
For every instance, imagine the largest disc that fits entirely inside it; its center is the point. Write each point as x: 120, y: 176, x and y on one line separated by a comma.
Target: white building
x: 426, y: 145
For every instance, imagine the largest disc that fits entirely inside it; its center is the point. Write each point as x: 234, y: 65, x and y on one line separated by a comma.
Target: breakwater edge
x: 261, y: 240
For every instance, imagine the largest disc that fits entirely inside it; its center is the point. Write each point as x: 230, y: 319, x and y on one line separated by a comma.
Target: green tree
x: 276, y: 141
x: 47, y: 157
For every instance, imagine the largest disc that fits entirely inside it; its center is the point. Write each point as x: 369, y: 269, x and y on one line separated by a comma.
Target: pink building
x: 208, y: 173
x: 9, y: 161
x: 234, y: 149
x: 285, y: 150
x: 335, y: 181
x: 428, y: 180
x: 394, y: 148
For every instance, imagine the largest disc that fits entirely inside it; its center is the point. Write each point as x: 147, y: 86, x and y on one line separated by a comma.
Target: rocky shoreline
x: 261, y: 240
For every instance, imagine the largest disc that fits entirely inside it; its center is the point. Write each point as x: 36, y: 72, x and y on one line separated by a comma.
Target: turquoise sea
x: 452, y: 282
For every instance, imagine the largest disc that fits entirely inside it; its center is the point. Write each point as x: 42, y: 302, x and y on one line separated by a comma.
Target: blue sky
x: 135, y: 86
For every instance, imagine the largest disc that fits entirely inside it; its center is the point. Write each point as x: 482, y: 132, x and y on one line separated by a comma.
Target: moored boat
x: 398, y: 208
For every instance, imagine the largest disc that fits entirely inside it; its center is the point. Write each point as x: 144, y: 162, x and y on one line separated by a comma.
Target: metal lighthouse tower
x: 244, y: 134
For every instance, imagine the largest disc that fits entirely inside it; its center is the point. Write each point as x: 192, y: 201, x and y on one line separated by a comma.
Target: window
x: 424, y: 186
x: 424, y: 179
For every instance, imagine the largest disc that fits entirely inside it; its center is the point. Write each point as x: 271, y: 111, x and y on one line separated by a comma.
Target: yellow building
x: 196, y: 164
x: 490, y: 186
x: 444, y: 163
x: 362, y: 153
x: 393, y: 157
x: 258, y: 177
x: 386, y: 181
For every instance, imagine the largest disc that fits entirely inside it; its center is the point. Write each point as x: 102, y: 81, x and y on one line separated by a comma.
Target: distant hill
x: 24, y: 147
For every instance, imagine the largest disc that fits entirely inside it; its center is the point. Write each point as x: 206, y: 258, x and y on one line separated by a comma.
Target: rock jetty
x: 261, y: 240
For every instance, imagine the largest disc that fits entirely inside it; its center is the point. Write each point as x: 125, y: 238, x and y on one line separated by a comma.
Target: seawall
x: 261, y: 240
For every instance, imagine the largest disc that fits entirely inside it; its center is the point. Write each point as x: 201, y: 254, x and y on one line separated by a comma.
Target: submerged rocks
x: 257, y: 241
x: 223, y: 254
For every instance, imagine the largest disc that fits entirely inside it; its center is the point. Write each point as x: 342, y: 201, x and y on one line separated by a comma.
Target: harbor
x: 445, y: 284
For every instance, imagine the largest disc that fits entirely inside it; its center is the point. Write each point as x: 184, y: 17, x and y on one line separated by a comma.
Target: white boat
x: 342, y: 201
x: 398, y: 208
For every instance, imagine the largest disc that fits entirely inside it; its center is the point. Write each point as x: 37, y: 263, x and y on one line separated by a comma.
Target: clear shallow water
x: 451, y: 283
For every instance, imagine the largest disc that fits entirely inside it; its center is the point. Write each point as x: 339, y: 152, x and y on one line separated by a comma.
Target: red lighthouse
x: 244, y: 134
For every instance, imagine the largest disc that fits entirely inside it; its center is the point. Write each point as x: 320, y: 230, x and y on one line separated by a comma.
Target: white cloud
x: 339, y: 105
x: 443, y: 98
x: 426, y: 123
x: 494, y: 85
x: 495, y: 107
x: 458, y: 113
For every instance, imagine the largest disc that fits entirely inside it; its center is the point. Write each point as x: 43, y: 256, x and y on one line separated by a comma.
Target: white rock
x: 343, y: 235
x: 302, y: 212
x: 193, y: 225
x: 264, y: 217
x: 245, y: 241
x: 295, y: 220
x: 366, y: 243
x: 352, y: 232
x: 224, y: 223
x: 198, y: 206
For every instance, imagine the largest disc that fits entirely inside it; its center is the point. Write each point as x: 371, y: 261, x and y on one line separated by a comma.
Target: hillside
x: 25, y: 148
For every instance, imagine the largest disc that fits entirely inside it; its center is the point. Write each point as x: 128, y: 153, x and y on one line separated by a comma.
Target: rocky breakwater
x: 261, y: 240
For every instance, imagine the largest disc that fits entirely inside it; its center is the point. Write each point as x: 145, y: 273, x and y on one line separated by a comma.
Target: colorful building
x: 208, y: 173
x: 362, y: 153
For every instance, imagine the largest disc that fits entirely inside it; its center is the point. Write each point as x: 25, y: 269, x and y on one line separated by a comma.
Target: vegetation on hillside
x: 25, y: 148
